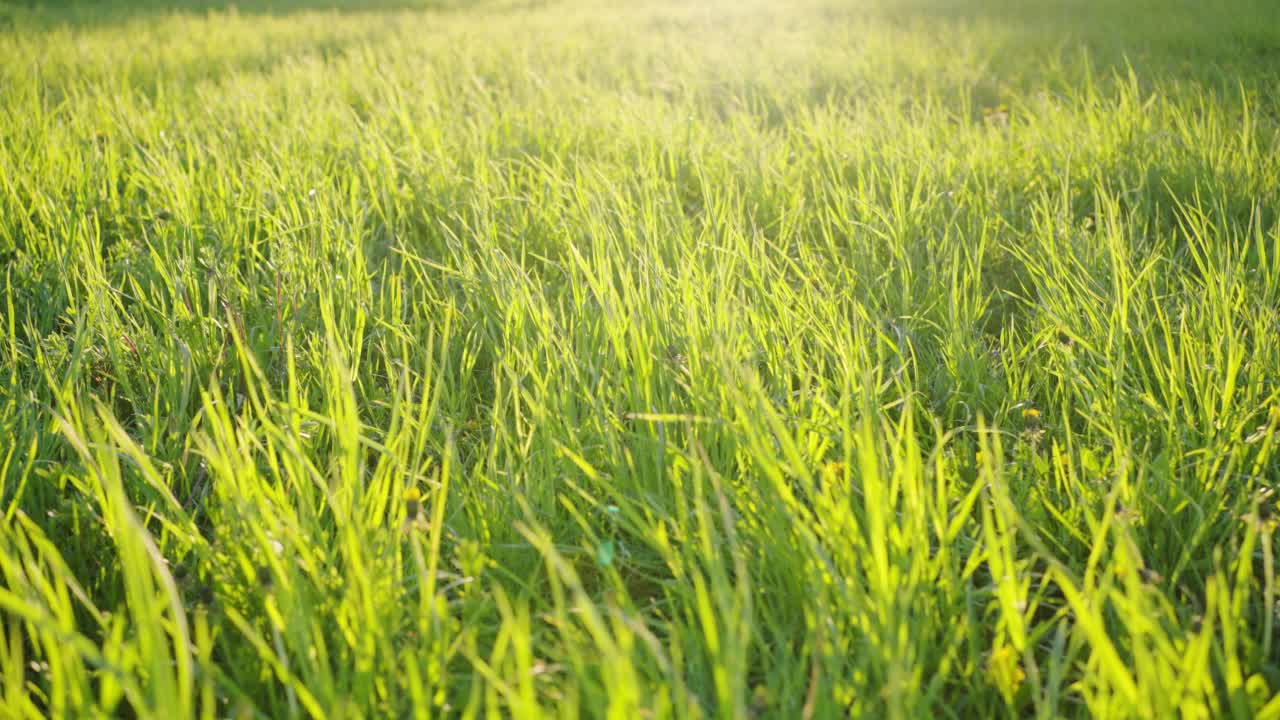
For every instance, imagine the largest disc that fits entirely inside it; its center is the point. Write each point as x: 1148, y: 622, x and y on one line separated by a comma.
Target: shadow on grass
x: 1203, y: 42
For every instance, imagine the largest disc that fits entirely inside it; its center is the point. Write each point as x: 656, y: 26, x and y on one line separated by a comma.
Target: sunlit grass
x: 870, y: 359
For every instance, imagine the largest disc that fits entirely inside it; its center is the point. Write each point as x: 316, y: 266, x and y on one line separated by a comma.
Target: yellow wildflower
x: 412, y: 502
x: 1004, y: 671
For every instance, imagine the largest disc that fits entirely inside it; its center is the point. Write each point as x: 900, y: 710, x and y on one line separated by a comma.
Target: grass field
x: 836, y: 358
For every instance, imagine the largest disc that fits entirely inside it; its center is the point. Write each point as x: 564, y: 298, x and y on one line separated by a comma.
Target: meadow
x: 817, y: 359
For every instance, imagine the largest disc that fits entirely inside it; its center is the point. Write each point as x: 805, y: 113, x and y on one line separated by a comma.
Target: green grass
x: 872, y: 358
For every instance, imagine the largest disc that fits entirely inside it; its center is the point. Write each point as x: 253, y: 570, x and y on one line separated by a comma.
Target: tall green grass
x: 816, y: 360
